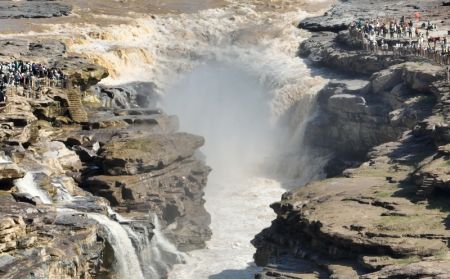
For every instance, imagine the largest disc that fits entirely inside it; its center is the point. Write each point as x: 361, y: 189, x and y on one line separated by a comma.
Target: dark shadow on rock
x: 413, y: 150
x: 248, y: 273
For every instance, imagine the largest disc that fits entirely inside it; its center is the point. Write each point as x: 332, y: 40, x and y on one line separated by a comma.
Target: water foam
x: 28, y: 184
x: 125, y: 254
x: 162, y: 50
x: 167, y: 48
x: 230, y: 107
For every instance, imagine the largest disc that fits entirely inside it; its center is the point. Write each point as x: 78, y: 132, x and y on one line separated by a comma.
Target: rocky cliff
x: 383, y: 211
x: 66, y: 157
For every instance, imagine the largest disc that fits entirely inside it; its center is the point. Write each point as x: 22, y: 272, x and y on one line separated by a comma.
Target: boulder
x: 175, y: 193
x: 80, y: 71
x: 10, y: 171
x: 347, y: 103
x: 130, y: 95
x: 57, y: 157
x: 322, y: 49
x: 6, y: 259
x: 27, y: 198
x: 413, y: 270
x: 385, y: 80
x: 419, y: 76
x: 156, y: 151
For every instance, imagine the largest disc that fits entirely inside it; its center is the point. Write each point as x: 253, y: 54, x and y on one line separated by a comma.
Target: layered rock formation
x: 351, y: 121
x: 36, y: 242
x: 387, y: 215
x: 62, y: 161
x: 147, y: 167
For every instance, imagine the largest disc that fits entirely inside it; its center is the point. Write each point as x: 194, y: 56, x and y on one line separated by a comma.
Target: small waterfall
x: 151, y: 256
x: 62, y: 193
x: 4, y: 159
x: 142, y: 242
x: 28, y: 184
x: 163, y: 251
x: 156, y: 252
x: 125, y: 254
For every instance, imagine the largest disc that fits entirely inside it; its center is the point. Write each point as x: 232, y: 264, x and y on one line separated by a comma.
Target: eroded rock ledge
x: 383, y: 213
x: 33, y: 9
x: 86, y: 157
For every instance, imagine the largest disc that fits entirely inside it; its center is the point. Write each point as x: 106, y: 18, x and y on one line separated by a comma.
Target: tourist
x: 448, y: 73
x: 29, y: 75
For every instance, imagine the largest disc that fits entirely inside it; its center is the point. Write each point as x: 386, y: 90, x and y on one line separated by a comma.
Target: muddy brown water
x: 105, y: 12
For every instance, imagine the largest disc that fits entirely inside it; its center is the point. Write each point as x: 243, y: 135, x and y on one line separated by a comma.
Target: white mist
x: 230, y: 108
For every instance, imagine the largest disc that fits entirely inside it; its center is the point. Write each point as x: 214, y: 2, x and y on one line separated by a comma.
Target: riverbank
x: 383, y: 212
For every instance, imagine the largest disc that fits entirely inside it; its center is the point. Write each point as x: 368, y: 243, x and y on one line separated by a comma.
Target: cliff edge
x: 383, y: 212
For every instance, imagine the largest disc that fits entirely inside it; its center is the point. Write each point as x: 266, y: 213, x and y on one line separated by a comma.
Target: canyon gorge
x: 221, y: 139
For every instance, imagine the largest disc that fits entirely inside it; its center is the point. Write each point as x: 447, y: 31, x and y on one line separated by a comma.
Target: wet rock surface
x: 387, y: 215
x: 64, y: 157
x: 35, y: 241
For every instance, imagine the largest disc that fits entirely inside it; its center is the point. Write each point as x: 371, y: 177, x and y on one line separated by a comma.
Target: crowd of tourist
x: 404, y: 37
x: 30, y: 76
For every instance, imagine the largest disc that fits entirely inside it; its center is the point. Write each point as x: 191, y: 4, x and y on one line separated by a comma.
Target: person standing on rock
x: 447, y: 71
x: 391, y: 30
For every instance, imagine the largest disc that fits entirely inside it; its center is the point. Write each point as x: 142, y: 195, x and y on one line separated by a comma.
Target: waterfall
x: 62, y: 193
x: 149, y: 257
x: 234, y: 107
x: 156, y: 253
x: 141, y: 242
x: 28, y: 184
x: 166, y: 252
x: 4, y: 159
x: 124, y: 252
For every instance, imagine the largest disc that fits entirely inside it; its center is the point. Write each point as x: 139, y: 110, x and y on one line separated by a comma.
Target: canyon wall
x: 382, y: 213
x: 66, y: 160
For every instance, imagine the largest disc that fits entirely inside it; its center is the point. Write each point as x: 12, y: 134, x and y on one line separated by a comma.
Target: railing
x: 33, y: 88
x: 401, y: 46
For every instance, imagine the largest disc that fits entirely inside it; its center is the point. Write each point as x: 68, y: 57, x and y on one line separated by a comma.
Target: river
x: 231, y: 74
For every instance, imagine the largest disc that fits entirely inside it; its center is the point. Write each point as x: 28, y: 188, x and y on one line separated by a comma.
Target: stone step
x: 76, y: 108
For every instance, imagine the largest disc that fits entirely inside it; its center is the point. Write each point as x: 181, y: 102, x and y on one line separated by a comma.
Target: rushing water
x: 28, y: 184
x: 149, y: 256
x: 229, y: 107
x: 231, y: 74
x: 127, y: 261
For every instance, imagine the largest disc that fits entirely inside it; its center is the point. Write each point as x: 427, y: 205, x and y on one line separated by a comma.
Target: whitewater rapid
x: 231, y: 108
x: 239, y: 210
x: 213, y: 51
